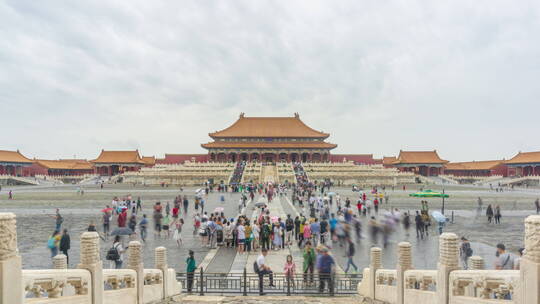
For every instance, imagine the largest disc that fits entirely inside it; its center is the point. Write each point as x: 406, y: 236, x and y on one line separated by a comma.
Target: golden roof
x: 388, y: 160
x: 525, y: 158
x: 119, y: 157
x: 474, y: 165
x: 149, y: 160
x: 66, y: 164
x: 271, y: 144
x: 267, y: 127
x: 13, y: 157
x: 419, y: 157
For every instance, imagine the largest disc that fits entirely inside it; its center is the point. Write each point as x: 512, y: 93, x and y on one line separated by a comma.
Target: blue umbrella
x: 439, y: 217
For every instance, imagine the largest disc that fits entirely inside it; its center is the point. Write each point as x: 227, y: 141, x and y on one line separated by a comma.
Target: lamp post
x: 442, y: 211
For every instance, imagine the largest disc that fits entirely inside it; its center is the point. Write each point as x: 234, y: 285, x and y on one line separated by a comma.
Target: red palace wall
x: 34, y: 169
x: 181, y: 158
x: 366, y: 159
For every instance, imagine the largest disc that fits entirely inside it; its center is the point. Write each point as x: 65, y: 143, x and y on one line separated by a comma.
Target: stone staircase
x: 269, y: 174
x: 236, y: 176
x: 18, y: 180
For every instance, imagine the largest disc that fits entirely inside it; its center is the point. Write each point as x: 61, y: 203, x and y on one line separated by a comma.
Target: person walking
x: 498, y: 214
x: 489, y: 213
x: 191, y: 266
x: 139, y: 204
x: 178, y: 231
x: 406, y: 222
x: 241, y: 236
x: 53, y: 243
x: 106, y: 218
x: 419, y: 225
x: 65, y: 244
x: 262, y: 269
x: 465, y: 252
x: 115, y: 254
x: 325, y: 266
x: 132, y: 222
x: 350, y: 256
x: 289, y: 227
x: 309, y: 262
x: 143, y: 227
x: 537, y: 205
x: 59, y: 220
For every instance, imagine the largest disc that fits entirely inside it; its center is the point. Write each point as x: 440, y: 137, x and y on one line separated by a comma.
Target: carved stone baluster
x: 135, y: 263
x: 160, y: 255
x: 10, y: 262
x: 448, y: 261
x: 374, y: 264
x: 530, y: 263
x: 60, y: 262
x: 90, y: 261
x: 404, y: 264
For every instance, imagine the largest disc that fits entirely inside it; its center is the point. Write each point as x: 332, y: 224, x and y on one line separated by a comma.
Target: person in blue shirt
x: 325, y: 266
x: 333, y: 223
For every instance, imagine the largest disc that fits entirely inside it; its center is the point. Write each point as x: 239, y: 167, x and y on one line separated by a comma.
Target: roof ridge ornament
x: 242, y: 114
x: 296, y: 115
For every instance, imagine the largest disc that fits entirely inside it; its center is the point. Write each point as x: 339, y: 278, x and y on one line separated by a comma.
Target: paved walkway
x: 192, y: 299
x: 275, y: 258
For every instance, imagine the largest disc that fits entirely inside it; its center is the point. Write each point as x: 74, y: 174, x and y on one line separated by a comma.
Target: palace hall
x: 269, y: 139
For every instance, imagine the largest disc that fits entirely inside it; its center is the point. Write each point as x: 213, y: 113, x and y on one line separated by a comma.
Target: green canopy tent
x: 429, y: 193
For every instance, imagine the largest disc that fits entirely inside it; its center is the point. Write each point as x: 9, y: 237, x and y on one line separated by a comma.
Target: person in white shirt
x: 241, y: 236
x: 263, y: 269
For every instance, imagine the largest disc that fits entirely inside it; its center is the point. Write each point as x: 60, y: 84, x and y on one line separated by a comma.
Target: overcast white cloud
x: 461, y: 77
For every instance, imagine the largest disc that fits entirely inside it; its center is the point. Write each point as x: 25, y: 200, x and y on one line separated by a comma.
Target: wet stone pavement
x: 33, y: 207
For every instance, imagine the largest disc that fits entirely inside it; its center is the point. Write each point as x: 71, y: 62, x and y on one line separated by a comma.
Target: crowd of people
x: 325, y: 220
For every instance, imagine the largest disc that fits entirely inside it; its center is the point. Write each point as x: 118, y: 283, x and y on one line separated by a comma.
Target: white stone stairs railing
x: 89, y: 283
x: 448, y: 284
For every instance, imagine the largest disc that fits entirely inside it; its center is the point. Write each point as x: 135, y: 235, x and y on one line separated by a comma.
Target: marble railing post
x: 448, y: 261
x: 135, y: 263
x: 160, y: 256
x: 530, y: 263
x: 10, y: 262
x: 60, y: 262
x: 91, y: 261
x: 404, y: 263
x: 374, y: 264
x: 476, y: 263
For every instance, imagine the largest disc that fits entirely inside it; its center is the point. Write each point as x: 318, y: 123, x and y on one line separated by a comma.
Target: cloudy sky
x: 462, y: 77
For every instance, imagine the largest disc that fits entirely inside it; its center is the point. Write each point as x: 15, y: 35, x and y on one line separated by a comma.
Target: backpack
x: 51, y: 243
x: 468, y: 250
x: 255, y: 267
x: 112, y: 254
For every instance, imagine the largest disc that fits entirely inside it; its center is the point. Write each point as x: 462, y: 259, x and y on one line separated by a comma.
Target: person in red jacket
x: 122, y: 218
x: 376, y: 204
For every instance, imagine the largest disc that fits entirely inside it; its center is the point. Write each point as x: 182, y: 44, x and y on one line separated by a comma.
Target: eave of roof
x: 14, y: 157
x: 419, y: 157
x: 474, y: 165
x: 119, y: 157
x: 525, y: 158
x: 269, y: 145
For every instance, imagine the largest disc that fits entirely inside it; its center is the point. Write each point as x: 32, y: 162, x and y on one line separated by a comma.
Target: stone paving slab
x: 192, y: 299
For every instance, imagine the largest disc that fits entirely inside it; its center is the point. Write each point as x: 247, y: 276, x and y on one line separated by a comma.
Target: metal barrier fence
x: 244, y: 283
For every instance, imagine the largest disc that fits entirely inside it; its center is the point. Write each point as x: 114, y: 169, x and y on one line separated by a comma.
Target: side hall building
x: 426, y: 163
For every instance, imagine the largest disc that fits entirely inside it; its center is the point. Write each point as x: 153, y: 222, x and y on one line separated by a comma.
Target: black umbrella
x: 122, y: 231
